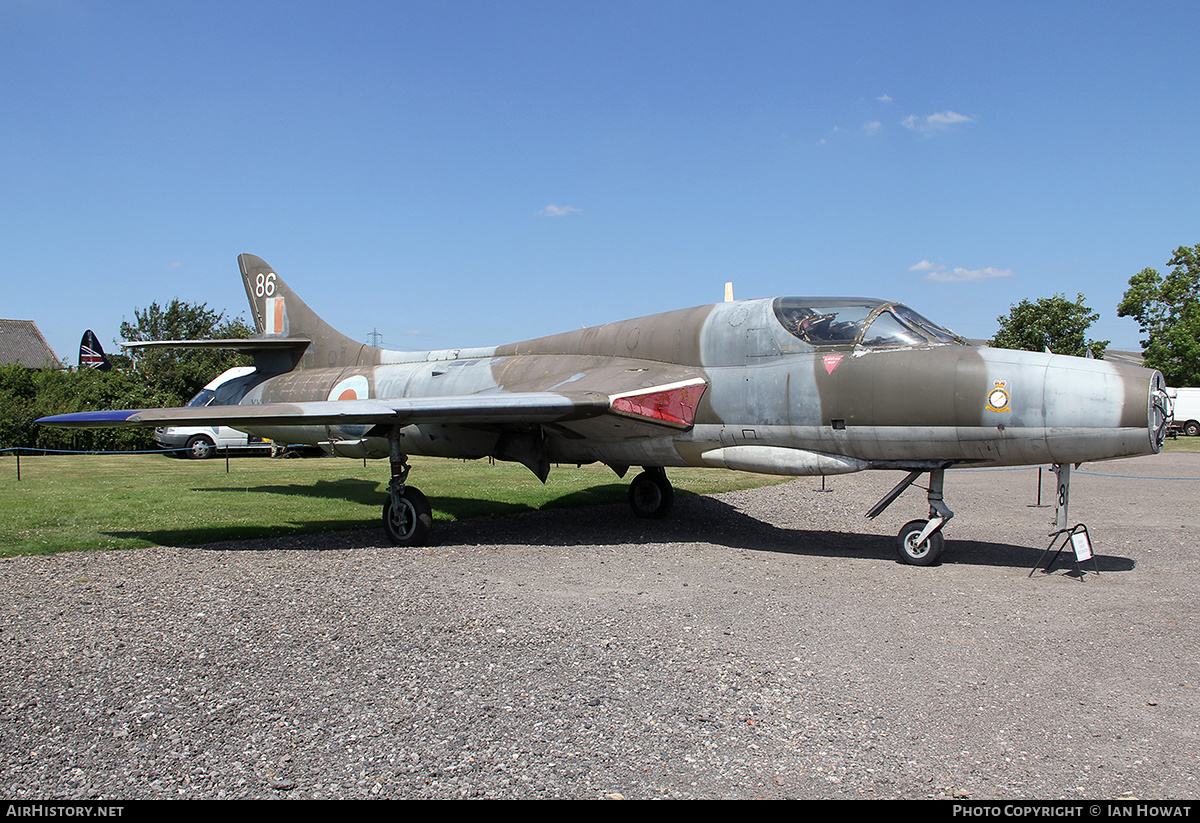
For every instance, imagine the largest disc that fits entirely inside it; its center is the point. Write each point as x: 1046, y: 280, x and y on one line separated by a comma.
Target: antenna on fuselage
x: 729, y: 292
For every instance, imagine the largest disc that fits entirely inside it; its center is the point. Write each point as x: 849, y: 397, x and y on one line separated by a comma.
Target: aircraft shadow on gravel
x: 368, y: 492
x: 564, y: 523
x: 708, y: 520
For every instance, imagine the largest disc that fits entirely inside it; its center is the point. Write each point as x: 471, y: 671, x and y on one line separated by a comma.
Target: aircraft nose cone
x: 1159, y: 413
x: 1077, y: 409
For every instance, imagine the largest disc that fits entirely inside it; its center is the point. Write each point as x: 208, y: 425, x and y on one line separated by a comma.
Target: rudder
x: 279, y: 313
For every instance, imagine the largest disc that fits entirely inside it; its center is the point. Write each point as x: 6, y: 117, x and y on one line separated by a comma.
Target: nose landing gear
x: 916, y: 551
x: 920, y: 542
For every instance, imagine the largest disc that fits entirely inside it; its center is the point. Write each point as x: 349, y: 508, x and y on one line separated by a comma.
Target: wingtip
x: 89, y: 418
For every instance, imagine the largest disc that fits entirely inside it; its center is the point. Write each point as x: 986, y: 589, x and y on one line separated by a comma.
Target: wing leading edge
x: 495, y: 408
x: 671, y: 405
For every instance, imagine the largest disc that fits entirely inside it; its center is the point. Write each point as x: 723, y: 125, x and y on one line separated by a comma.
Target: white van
x: 1185, y: 411
x: 199, y: 442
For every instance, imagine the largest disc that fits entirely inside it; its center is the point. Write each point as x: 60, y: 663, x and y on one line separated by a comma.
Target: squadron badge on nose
x: 997, y: 399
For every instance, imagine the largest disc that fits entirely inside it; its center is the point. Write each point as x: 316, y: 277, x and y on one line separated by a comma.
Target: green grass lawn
x: 66, y: 503
x: 1182, y: 444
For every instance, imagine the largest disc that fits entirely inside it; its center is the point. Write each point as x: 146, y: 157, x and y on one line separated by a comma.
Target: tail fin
x: 279, y: 313
x: 91, y: 354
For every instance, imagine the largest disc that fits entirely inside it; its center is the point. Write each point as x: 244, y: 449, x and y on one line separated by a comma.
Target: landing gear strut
x: 407, y: 516
x: 650, y: 493
x: 920, y: 542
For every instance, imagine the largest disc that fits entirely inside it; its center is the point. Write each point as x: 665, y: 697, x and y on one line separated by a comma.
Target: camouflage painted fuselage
x: 770, y: 401
x: 787, y: 386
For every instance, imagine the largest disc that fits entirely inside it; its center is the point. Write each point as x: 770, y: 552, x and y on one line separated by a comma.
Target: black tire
x: 925, y: 554
x: 651, y: 495
x: 1191, y: 428
x: 200, y: 448
x: 411, y: 522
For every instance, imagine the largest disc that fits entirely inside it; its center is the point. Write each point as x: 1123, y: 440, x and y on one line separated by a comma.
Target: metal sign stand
x: 1081, y: 543
x: 1077, y: 536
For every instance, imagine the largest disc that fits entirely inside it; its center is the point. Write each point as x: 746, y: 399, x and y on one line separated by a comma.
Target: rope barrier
x: 32, y: 451
x: 1077, y: 471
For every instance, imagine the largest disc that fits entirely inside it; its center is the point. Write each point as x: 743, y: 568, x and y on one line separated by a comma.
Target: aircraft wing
x: 530, y: 407
x: 673, y: 405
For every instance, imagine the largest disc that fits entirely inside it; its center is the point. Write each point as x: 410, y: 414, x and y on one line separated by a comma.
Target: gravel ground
x: 765, y: 643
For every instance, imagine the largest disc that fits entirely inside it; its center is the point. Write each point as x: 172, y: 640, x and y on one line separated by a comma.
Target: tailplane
x: 279, y: 314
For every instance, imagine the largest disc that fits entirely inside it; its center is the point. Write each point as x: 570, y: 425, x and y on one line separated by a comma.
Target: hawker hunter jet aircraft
x: 784, y: 386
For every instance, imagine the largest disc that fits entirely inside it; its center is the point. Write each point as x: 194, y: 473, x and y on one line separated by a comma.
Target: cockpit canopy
x: 851, y: 321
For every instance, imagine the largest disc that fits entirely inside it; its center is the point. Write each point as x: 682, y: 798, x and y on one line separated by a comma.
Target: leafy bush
x: 26, y: 395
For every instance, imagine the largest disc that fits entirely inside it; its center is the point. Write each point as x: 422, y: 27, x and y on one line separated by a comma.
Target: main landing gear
x: 920, y: 542
x: 407, y: 516
x: 650, y: 493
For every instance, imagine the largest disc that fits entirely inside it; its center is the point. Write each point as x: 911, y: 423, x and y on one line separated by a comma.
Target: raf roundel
x: 352, y: 388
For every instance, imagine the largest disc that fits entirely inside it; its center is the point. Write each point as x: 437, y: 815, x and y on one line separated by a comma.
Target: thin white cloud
x: 557, y: 211
x: 884, y: 98
x: 961, y: 275
x: 872, y: 127
x: 936, y: 122
x: 945, y: 119
x: 936, y: 273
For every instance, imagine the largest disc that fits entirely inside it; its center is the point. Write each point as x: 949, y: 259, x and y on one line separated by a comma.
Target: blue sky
x: 473, y: 173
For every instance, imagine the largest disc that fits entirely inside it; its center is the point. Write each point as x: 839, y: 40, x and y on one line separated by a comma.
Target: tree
x: 179, y: 373
x: 1053, y: 323
x: 1168, y: 311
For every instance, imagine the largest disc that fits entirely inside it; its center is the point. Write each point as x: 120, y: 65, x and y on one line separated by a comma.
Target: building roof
x: 22, y: 343
x: 1134, y: 358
